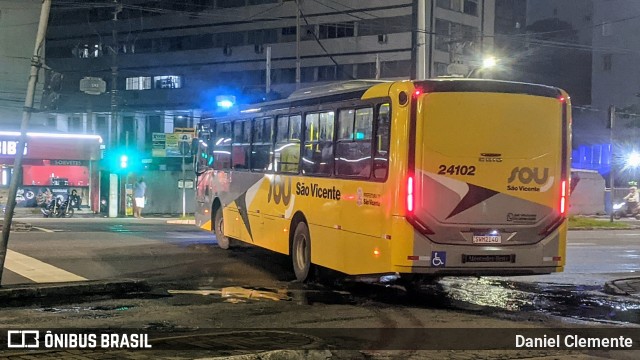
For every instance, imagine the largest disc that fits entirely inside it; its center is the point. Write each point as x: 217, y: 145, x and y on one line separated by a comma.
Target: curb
x: 20, y: 295
x: 186, y: 222
x: 623, y: 287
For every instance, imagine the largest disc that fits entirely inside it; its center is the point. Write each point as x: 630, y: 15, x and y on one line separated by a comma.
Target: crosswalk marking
x: 36, y: 270
x: 42, y: 229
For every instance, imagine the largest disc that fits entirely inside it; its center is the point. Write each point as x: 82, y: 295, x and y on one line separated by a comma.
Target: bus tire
x: 301, y: 252
x: 218, y: 229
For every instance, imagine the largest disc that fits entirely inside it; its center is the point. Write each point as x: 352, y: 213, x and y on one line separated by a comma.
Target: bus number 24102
x: 457, y: 170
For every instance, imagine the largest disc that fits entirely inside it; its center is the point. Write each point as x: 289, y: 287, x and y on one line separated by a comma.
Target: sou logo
x: 526, y: 175
x: 279, y: 191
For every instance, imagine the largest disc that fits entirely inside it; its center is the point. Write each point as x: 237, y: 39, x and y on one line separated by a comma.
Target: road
x: 199, y: 286
x: 102, y: 248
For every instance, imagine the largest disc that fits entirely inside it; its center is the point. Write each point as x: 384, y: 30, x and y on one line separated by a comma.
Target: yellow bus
x: 434, y: 177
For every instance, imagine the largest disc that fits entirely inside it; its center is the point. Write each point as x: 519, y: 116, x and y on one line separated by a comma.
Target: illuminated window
x: 138, y: 83
x: 167, y: 82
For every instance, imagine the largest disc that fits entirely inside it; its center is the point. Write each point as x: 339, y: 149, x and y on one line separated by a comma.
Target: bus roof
x: 354, y: 89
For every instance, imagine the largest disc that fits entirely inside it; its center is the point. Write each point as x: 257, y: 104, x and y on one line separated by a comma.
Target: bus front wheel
x: 301, y: 252
x: 218, y: 227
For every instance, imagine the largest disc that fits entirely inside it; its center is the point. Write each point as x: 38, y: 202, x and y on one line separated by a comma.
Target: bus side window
x: 381, y: 153
x: 318, y: 143
x: 222, y: 146
x: 353, y: 147
x: 287, y: 150
x: 262, y: 144
x: 241, y: 146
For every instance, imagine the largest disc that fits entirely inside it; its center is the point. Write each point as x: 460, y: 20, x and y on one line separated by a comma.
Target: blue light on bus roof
x: 225, y: 102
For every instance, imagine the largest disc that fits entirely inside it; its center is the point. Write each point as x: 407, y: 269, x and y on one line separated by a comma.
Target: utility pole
x: 113, y: 122
x: 268, y: 72
x: 610, y: 122
x: 36, y: 64
x: 297, y: 44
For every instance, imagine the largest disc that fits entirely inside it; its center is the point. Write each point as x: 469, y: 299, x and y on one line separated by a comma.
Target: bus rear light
x: 557, y: 258
x: 410, y: 199
x: 563, y: 197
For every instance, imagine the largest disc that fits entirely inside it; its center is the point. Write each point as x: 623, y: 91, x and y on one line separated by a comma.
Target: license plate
x: 488, y: 258
x: 487, y: 239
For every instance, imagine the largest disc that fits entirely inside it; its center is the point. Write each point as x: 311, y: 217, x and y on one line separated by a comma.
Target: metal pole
x: 36, y: 64
x: 612, y: 117
x: 114, y: 207
x: 297, y: 44
x: 184, y: 196
x: 268, y: 71
x: 377, y: 66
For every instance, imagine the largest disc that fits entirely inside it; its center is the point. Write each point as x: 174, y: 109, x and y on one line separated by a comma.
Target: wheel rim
x: 301, y: 252
x: 220, y: 227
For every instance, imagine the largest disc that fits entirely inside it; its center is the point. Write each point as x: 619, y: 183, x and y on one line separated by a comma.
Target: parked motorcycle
x: 58, y: 207
x: 624, y: 209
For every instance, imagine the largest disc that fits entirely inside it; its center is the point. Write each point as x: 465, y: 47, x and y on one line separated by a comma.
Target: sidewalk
x: 624, y: 287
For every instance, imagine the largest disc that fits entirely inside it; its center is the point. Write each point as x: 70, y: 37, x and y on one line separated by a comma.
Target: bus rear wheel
x: 218, y: 228
x: 301, y: 252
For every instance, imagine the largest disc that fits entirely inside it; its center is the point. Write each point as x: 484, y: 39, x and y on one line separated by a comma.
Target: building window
x: 263, y: 36
x: 464, y: 6
x: 139, y: 83
x: 606, y: 29
x: 168, y: 82
x: 440, y: 69
x: 326, y: 73
x: 606, y: 62
x: 450, y: 33
x: 334, y: 31
x: 470, y: 7
x: 75, y: 124
x: 182, y: 121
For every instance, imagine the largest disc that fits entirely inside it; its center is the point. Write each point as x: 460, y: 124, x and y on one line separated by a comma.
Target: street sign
x: 186, y: 184
x: 93, y: 85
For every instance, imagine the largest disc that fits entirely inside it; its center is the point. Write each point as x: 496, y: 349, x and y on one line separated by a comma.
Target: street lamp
x: 489, y: 62
x: 632, y: 160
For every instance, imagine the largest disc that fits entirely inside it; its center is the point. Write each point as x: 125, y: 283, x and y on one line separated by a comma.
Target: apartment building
x: 168, y: 60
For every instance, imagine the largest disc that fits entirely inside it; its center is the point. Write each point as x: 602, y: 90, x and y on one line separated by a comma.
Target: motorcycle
x: 58, y: 207
x: 623, y: 209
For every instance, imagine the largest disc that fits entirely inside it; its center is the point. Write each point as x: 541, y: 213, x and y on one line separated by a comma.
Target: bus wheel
x: 301, y: 252
x: 218, y: 228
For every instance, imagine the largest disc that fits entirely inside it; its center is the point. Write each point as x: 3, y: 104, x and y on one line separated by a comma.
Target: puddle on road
x: 485, y: 295
x: 93, y: 312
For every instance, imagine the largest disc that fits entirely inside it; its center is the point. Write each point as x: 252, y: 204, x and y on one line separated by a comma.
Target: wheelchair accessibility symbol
x: 438, y: 258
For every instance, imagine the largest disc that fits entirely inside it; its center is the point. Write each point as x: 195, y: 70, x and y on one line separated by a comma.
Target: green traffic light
x: 124, y: 159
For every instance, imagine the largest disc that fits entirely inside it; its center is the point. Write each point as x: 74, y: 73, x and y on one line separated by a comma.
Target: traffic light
x: 124, y: 161
x: 121, y: 160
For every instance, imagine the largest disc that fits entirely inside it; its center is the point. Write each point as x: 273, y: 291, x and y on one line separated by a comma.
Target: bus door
x: 362, y: 153
x: 280, y: 184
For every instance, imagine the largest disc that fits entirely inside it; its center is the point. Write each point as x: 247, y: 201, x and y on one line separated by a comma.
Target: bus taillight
x: 410, y: 199
x: 563, y: 197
